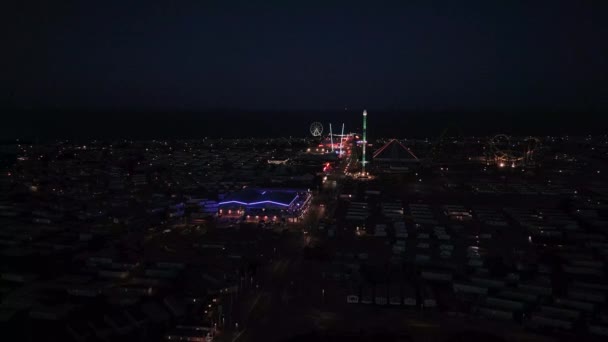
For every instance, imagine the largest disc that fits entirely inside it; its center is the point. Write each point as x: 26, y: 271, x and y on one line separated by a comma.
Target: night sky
x: 306, y: 55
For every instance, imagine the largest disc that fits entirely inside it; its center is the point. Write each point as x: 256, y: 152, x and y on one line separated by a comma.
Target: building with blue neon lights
x: 274, y: 203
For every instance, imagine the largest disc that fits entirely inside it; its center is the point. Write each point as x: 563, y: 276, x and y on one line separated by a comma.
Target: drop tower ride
x: 364, y: 142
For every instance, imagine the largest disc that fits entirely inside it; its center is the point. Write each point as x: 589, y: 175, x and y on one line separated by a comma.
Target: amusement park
x: 361, y: 159
x: 506, y: 151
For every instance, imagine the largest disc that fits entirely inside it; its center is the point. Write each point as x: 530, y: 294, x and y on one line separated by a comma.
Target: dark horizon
x: 82, y: 124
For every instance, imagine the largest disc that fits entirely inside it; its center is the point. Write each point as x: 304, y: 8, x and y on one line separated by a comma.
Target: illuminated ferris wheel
x: 316, y: 129
x: 504, y: 151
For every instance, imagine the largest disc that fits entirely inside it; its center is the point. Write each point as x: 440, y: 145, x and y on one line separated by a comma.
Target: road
x: 265, y: 319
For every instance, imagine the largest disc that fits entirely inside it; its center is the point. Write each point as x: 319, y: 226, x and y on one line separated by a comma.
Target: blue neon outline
x: 261, y: 202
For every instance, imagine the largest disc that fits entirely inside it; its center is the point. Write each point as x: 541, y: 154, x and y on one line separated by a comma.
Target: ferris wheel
x: 502, y: 148
x: 505, y: 151
x: 316, y: 129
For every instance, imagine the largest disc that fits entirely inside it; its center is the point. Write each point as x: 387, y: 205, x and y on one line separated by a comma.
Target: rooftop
x: 255, y: 196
